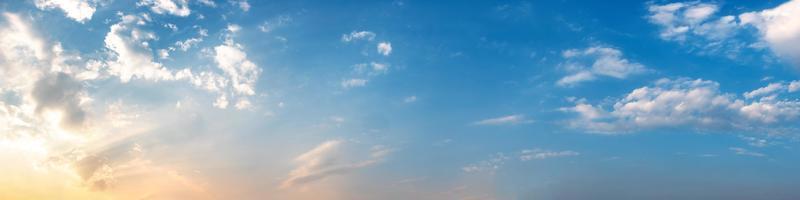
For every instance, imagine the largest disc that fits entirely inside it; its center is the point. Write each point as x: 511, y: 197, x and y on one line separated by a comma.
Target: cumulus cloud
x: 172, y: 7
x: 779, y: 27
x: 505, y: 120
x: 385, y: 48
x: 358, y: 35
x: 332, y: 158
x: 410, y: 99
x: 541, y: 154
x: 694, y: 104
x: 243, y: 73
x: 78, y: 10
x: 597, y: 61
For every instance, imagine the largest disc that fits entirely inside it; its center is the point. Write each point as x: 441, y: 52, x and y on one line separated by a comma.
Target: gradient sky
x: 403, y: 99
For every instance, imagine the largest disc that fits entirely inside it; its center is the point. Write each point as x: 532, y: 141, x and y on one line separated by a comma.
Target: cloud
x: 78, y: 10
x: 332, y: 158
x: 410, y: 99
x: 358, y: 35
x: 679, y: 21
x: 696, y: 24
x: 132, y: 55
x: 371, y: 69
x: 596, y: 61
x: 491, y: 165
x: 540, y: 154
x: 694, y: 104
x: 779, y: 27
x: 746, y: 152
x: 354, y: 82
x: 172, y: 7
x: 242, y: 4
x: 233, y: 61
x: 766, y: 90
x: 385, y: 48
x: 274, y: 23
x: 504, y: 120
x: 61, y: 93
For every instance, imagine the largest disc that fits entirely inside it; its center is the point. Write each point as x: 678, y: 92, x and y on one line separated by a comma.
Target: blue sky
x: 238, y: 99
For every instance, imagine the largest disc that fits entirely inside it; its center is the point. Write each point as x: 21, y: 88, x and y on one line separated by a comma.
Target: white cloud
x: 694, y: 104
x: 679, y: 21
x: 242, y: 72
x: 505, y: 120
x: 173, y: 7
x: 209, y: 3
x: 746, y: 152
x: 794, y: 86
x: 590, y: 63
x: 540, y: 154
x: 371, y: 69
x: 274, y: 23
x: 492, y: 164
x: 779, y: 27
x: 766, y: 90
x: 410, y: 99
x: 78, y: 10
x: 696, y: 24
x: 131, y: 52
x: 385, y: 48
x: 332, y: 158
x: 242, y: 4
x: 358, y: 35
x: 354, y: 82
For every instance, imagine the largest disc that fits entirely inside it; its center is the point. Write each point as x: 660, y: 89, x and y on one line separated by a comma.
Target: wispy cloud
x: 505, y: 120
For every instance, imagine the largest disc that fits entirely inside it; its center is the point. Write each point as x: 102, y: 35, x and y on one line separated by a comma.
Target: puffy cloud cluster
x: 332, y: 158
x: 596, y: 61
x: 693, y: 104
x: 172, y: 7
x: 78, y: 10
x: 132, y: 58
x: 697, y: 24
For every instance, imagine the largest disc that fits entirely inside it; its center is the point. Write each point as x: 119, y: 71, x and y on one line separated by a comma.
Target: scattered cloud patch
x: 354, y: 82
x: 274, y: 23
x: 596, y: 61
x: 358, y: 35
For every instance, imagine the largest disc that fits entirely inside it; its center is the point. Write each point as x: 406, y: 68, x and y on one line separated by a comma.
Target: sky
x: 399, y: 99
